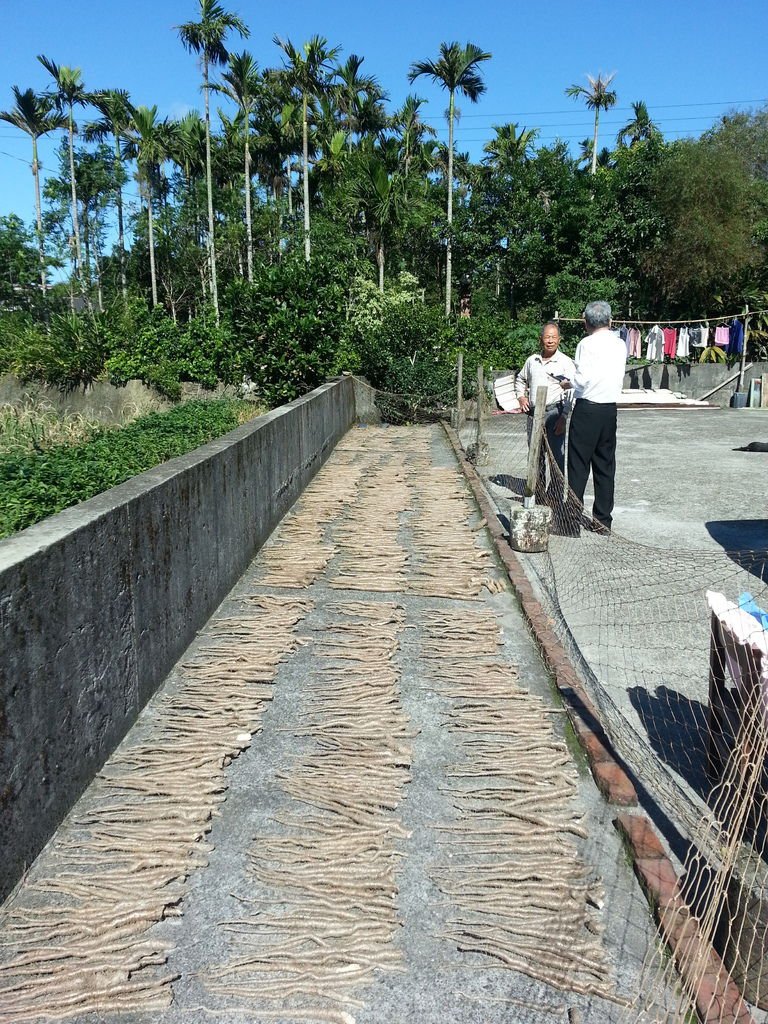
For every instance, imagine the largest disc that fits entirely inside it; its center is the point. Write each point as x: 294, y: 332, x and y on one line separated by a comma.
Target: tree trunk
x: 209, y: 184
x: 39, y: 209
x: 73, y: 187
x: 380, y: 261
x: 151, y: 229
x: 248, y: 228
x: 290, y: 190
x: 450, y: 209
x: 594, y: 143
x: 305, y: 176
x: 120, y: 228
x: 99, y: 287
x: 87, y: 251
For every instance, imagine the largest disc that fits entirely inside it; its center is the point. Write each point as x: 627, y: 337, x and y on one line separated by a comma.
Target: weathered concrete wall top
x: 99, y: 601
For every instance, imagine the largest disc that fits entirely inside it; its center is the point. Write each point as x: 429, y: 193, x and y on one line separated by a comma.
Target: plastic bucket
x: 739, y: 400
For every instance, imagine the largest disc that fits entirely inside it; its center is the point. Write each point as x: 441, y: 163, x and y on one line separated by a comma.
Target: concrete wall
x: 98, y: 602
x: 693, y: 380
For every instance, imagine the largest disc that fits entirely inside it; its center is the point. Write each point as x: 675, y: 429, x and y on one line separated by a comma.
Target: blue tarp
x: 747, y: 604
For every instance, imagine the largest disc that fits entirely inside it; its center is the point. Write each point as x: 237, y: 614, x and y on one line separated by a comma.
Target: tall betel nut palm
x: 598, y: 96
x: 242, y: 83
x: 150, y: 142
x: 206, y: 39
x: 308, y: 71
x: 455, y: 70
x: 35, y: 115
x: 70, y: 93
x: 115, y: 107
x: 639, y: 128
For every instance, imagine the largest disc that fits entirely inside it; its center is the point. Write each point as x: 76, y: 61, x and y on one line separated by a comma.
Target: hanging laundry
x: 654, y: 350
x: 735, y: 338
x: 670, y: 342
x: 683, y: 343
x: 635, y: 349
x: 694, y: 337
x: 722, y: 336
x: 703, y: 336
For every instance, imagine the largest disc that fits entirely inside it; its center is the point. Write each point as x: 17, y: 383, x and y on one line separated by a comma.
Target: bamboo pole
x: 537, y: 431
x: 740, y: 386
x: 460, y: 392
x: 481, y: 447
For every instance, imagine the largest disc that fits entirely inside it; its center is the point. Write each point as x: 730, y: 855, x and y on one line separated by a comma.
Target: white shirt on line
x: 536, y: 373
x: 601, y: 360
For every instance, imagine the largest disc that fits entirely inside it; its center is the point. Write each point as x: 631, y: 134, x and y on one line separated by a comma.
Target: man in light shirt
x: 547, y: 368
x: 600, y: 364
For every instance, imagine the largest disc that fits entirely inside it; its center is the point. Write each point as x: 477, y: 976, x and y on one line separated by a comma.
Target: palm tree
x: 586, y: 151
x: 70, y: 92
x: 411, y: 130
x: 639, y: 128
x: 34, y: 115
x: 358, y: 98
x: 206, y: 38
x: 117, y: 111
x: 598, y: 96
x: 510, y: 147
x: 150, y: 142
x: 242, y: 84
x: 308, y: 71
x: 456, y: 71
x: 382, y: 199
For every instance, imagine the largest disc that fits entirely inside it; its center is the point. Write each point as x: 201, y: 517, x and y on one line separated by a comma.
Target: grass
x: 36, y: 427
x: 41, y: 474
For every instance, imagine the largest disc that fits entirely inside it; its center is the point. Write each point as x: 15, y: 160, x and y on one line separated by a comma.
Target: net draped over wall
x: 638, y: 625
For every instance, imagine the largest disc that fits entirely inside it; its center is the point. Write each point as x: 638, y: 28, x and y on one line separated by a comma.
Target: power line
x: 586, y: 123
x: 14, y: 157
x: 656, y: 106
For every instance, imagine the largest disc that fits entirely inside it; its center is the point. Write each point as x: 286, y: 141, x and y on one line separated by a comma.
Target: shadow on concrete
x: 514, y: 484
x: 745, y: 541
x: 677, y: 732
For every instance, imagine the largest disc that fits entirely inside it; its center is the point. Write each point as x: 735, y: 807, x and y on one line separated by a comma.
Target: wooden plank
x: 539, y: 413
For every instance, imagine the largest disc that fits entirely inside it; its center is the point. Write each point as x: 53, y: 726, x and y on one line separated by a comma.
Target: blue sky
x: 689, y: 61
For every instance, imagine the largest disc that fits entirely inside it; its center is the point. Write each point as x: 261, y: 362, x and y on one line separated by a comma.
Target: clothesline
x: 689, y: 320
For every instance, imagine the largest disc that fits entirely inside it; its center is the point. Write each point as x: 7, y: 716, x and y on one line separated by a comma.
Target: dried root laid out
x: 77, y: 937
x: 518, y: 888
x: 324, y: 915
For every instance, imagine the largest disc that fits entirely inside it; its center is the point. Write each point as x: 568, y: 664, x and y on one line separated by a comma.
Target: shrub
x: 284, y: 329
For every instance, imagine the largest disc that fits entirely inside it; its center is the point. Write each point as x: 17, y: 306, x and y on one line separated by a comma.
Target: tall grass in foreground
x: 37, y: 426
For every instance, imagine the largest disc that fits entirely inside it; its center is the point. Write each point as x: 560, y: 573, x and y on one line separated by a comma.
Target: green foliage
x: 284, y: 329
x: 713, y: 354
x: 705, y: 195
x: 37, y: 485
x: 403, y: 346
x: 70, y: 353
x: 19, y: 266
x: 148, y: 345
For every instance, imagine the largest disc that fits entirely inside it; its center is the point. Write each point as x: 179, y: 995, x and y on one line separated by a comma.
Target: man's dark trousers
x: 592, y: 444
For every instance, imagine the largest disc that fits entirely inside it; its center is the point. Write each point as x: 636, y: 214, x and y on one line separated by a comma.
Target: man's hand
x: 560, y: 426
x: 565, y: 384
x: 525, y: 405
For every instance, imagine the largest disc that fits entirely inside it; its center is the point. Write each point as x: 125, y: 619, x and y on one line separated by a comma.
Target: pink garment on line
x: 635, y: 344
x: 722, y: 336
